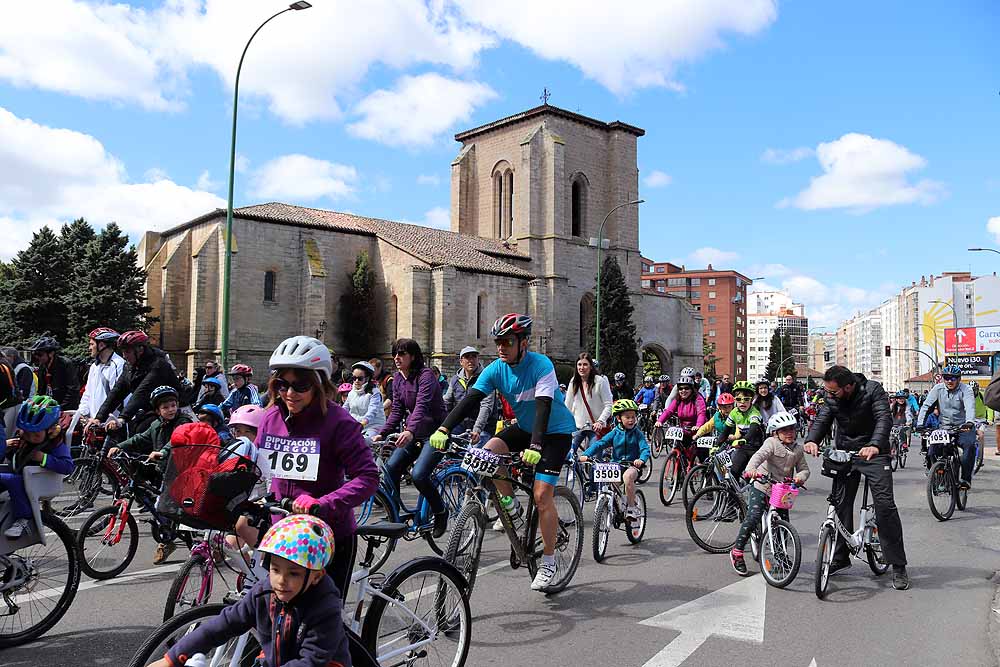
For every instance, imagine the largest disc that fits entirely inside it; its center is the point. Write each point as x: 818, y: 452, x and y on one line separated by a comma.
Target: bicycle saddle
x: 383, y: 529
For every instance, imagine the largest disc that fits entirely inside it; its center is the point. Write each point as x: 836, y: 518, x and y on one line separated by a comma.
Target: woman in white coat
x: 588, y: 397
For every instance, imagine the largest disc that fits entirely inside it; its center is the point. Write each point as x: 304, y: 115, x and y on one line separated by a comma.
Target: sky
x: 837, y: 150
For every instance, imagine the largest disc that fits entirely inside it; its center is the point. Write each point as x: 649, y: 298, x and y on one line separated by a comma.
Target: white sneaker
x: 17, y: 529
x: 498, y: 525
x: 544, y: 577
x: 633, y: 512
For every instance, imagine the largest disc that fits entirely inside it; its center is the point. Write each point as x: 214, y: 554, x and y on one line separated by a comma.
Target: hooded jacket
x: 779, y: 461
x: 629, y: 445
x: 418, y: 399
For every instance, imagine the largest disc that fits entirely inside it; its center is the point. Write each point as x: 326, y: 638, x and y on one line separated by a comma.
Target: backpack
x: 9, y: 394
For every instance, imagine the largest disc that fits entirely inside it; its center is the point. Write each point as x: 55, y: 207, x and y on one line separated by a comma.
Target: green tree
x: 358, y: 310
x: 788, y: 367
x: 780, y: 352
x: 710, y: 359
x: 619, y: 345
x: 107, y: 288
x: 33, y: 291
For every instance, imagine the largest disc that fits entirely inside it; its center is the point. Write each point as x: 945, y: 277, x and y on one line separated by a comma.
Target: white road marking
x: 736, y: 611
x: 92, y: 583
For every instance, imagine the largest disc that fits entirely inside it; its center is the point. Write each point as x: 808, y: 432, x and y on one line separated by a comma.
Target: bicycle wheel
x: 452, y: 486
x: 780, y: 554
x: 103, y: 553
x: 824, y: 556
x: 244, y: 648
x: 47, y: 576
x: 635, y: 528
x: 602, y: 527
x: 645, y: 472
x: 191, y: 587
x: 941, y: 491
x: 569, y: 539
x: 422, y: 616
x: 902, y: 457
x: 375, y: 509
x: 466, y: 543
x: 82, y: 487
x: 572, y: 478
x: 713, y: 519
x: 697, y: 479
x: 670, y: 479
x: 874, y: 555
x: 656, y: 443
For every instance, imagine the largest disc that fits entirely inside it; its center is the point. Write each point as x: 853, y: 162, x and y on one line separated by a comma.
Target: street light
x: 936, y: 362
x: 984, y: 250
x: 600, y: 245
x: 227, y: 273
x: 954, y: 314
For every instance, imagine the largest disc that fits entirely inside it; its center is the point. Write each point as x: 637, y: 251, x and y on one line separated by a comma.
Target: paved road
x: 706, y: 614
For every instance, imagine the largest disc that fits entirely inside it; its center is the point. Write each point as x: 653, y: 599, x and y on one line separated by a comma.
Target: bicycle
x: 40, y: 566
x: 980, y: 443
x: 715, y: 513
x: 195, y: 580
x: 387, y: 504
x: 702, y: 475
x: 774, y: 542
x: 944, y: 491
x: 610, y: 508
x: 676, y: 466
x: 864, y: 539
x: 93, y: 476
x: 899, y: 447
x: 105, y: 548
x: 573, y: 476
x: 466, y: 543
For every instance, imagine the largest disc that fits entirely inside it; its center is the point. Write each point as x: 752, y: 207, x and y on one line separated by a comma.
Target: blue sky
x: 838, y: 149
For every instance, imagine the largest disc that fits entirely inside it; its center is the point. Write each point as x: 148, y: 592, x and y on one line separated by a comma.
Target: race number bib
x: 674, y: 433
x: 607, y: 472
x: 724, y: 458
x: 481, y: 461
x: 292, y: 458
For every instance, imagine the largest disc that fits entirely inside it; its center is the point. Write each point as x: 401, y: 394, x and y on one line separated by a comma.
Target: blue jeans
x: 14, y: 483
x: 424, y: 459
x: 967, y: 441
x: 579, y: 437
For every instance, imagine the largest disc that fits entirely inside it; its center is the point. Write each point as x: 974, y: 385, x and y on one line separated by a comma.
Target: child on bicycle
x: 154, y: 441
x: 779, y: 457
x: 295, y: 612
x: 630, y: 446
x: 746, y: 419
x: 41, y: 443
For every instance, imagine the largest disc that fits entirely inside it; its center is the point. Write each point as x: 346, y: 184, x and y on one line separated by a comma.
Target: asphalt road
x: 697, y: 611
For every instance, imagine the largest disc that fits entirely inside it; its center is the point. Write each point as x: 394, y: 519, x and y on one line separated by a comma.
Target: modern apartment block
x: 720, y: 296
x: 762, y: 327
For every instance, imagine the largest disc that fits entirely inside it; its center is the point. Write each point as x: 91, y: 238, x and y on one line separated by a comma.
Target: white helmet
x: 687, y: 370
x: 781, y: 420
x: 686, y: 378
x: 364, y: 365
x: 303, y: 352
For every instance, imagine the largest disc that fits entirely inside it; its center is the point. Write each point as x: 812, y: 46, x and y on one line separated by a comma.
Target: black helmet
x: 45, y: 344
x: 162, y: 393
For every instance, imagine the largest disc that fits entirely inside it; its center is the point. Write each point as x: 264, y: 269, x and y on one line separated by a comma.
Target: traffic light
x: 888, y: 350
x: 826, y: 356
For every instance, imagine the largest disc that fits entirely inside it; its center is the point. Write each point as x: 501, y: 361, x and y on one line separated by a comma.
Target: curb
x: 994, y: 622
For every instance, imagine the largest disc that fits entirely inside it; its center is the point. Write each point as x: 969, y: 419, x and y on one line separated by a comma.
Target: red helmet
x: 241, y: 369
x: 104, y: 334
x: 512, y: 323
x: 726, y: 399
x: 130, y: 338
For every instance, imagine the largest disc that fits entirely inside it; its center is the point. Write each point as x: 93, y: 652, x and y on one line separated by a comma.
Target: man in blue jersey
x: 527, y: 380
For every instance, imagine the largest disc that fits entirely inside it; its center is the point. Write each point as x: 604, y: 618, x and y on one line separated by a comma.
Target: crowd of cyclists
x: 342, y: 418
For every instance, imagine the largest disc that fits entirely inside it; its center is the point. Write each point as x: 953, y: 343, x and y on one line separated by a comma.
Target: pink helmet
x: 247, y: 415
x: 344, y: 388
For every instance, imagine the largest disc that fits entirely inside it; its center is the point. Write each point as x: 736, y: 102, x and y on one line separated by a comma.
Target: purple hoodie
x: 342, y: 452
x: 420, y: 397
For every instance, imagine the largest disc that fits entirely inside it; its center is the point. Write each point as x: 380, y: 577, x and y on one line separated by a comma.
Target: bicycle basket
x: 836, y: 464
x: 206, y: 486
x: 783, y: 495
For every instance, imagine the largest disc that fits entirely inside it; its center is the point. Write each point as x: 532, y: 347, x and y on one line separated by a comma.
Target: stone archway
x: 654, y: 359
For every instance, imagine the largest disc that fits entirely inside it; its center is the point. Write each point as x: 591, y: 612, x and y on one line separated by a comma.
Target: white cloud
x: 861, y: 173
x: 993, y: 227
x: 786, y: 156
x: 826, y: 304
x: 429, y: 179
x: 299, y: 177
x: 658, y: 179
x: 714, y: 256
x: 418, y: 109
x: 242, y: 165
x: 205, y: 182
x: 438, y: 217
x: 154, y: 174
x: 638, y: 45
x: 51, y: 175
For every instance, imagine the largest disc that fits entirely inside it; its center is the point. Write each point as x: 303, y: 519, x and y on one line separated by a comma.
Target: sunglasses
x: 359, y: 378
x: 683, y: 388
x: 399, y: 353
x: 950, y: 378
x: 299, y: 386
x: 744, y: 399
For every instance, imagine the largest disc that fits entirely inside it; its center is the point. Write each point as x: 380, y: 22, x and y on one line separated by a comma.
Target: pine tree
x: 357, y: 308
x: 33, y: 291
x: 619, y: 346
x: 780, y: 352
x: 788, y: 367
x: 710, y: 359
x: 774, y: 356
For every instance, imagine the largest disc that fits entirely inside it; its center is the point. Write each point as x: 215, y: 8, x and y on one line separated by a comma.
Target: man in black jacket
x: 861, y: 410
x: 56, y: 374
x: 147, y: 368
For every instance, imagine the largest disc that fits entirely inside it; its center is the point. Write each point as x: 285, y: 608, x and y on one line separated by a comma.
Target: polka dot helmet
x: 303, y: 539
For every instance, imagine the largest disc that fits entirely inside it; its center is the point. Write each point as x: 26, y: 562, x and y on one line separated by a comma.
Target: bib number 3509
x: 292, y: 458
x: 607, y: 472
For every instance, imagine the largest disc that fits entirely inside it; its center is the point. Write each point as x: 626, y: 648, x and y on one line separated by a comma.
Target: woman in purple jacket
x: 416, y: 394
x: 313, y: 444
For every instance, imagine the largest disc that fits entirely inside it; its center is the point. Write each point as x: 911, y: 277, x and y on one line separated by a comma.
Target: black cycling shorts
x: 555, y: 449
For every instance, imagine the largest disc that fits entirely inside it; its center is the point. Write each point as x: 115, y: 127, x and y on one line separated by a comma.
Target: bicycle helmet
x: 623, y: 405
x: 619, y: 377
x: 685, y: 379
x: 302, y: 539
x: 104, y: 334
x: 761, y: 381
x: 780, y: 420
x: 344, y: 388
x: 687, y: 370
x: 512, y: 323
x: 648, y: 378
x: 214, y: 410
x: 951, y: 371
x: 241, y: 369
x: 247, y: 415
x: 38, y: 414
x: 162, y: 393
x: 744, y: 386
x: 366, y: 367
x: 45, y: 344
x: 303, y: 352
x: 664, y: 378
x: 725, y: 399
x: 130, y: 338
x: 217, y: 381
x: 899, y: 394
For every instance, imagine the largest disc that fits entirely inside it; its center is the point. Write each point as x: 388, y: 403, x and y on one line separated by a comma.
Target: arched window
x: 587, y: 308
x: 509, y: 193
x: 577, y: 207
x: 480, y: 316
x: 269, y: 286
x: 394, y: 315
x: 503, y: 200
x: 498, y: 205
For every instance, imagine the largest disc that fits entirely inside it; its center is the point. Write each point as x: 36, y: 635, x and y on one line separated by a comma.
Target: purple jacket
x: 342, y: 452
x: 420, y: 397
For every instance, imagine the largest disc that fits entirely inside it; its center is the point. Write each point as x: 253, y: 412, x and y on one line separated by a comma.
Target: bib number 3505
x: 292, y: 458
x: 481, y: 461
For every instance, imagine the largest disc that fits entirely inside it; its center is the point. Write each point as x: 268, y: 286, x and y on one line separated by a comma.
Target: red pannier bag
x: 205, y: 484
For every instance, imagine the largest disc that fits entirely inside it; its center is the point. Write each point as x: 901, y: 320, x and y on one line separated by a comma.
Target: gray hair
x: 11, y: 354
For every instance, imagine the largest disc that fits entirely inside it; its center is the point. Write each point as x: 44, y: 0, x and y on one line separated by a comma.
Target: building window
x: 739, y: 345
x: 498, y: 205
x: 509, y: 181
x: 645, y: 283
x: 711, y: 295
x: 661, y: 269
x: 711, y: 282
x: 661, y: 288
x: 696, y: 282
x: 711, y: 333
x: 587, y: 307
x: 711, y: 307
x: 676, y: 282
x: 696, y: 294
x: 503, y: 201
x: 269, y: 286
x: 578, y: 207
x: 711, y: 320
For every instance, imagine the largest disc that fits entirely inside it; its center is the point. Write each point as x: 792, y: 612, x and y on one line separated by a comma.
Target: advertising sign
x: 987, y: 339
x: 961, y: 340
x: 971, y: 364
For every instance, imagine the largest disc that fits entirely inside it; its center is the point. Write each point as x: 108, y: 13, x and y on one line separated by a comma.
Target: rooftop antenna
x: 546, y: 94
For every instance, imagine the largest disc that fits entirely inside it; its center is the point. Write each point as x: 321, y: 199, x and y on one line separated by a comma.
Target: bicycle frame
x: 857, y: 540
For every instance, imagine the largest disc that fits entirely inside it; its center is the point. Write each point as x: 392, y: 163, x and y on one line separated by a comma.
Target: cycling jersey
x: 645, y: 395
x: 534, y: 376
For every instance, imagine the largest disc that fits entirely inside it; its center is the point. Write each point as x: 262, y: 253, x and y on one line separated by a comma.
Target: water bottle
x: 197, y: 660
x: 513, y: 510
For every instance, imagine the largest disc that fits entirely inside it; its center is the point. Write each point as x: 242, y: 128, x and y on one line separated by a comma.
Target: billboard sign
x: 961, y: 340
x: 971, y: 364
x: 987, y: 339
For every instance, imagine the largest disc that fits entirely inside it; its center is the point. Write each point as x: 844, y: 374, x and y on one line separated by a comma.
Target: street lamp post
x: 227, y: 272
x: 954, y: 314
x: 984, y: 250
x: 936, y: 362
x: 600, y: 245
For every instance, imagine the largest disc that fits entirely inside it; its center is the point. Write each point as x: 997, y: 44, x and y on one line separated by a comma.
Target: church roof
x: 436, y: 247
x: 548, y: 109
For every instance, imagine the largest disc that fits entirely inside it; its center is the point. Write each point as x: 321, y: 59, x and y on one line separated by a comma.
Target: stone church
x: 528, y: 194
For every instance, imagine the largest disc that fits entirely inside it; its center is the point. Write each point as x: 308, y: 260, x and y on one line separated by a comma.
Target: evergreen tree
x: 788, y: 367
x: 33, y: 291
x: 774, y: 356
x: 780, y: 352
x: 619, y: 345
x: 107, y: 287
x: 710, y: 359
x: 358, y: 310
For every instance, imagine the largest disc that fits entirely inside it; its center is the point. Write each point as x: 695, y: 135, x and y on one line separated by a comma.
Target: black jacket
x: 152, y: 370
x: 60, y: 382
x: 862, y: 420
x: 791, y: 395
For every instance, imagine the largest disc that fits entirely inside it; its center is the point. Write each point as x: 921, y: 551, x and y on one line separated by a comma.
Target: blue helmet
x: 213, y: 410
x: 951, y: 371
x: 217, y: 381
x: 38, y: 414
